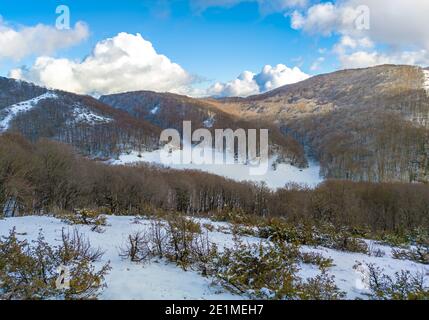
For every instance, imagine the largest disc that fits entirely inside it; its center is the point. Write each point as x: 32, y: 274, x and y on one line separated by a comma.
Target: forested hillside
x: 95, y: 129
x: 363, y: 124
x: 12, y: 91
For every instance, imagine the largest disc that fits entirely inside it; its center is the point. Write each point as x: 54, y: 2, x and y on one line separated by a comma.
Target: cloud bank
x: 400, y: 27
x: 125, y: 62
x: 249, y: 83
x: 18, y: 43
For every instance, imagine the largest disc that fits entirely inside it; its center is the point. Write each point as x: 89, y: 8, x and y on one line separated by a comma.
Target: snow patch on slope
x: 208, y: 123
x: 84, y: 115
x: 154, y: 110
x: 14, y: 110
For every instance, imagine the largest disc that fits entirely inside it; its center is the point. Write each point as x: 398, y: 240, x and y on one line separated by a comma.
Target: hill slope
x: 364, y: 124
x: 94, y: 128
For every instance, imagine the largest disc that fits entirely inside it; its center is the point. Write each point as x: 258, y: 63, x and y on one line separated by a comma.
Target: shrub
x: 94, y: 218
x: 420, y: 236
x: 31, y: 271
x: 236, y: 216
x: 394, y: 239
x: 181, y: 235
x: 262, y: 271
x: 137, y: 247
x: 305, y: 234
x: 322, y: 287
x: 179, y: 240
x: 402, y: 286
x: 76, y: 253
x: 419, y: 254
x: 159, y: 238
x: 240, y: 230
x: 279, y: 231
x: 203, y: 253
x: 20, y: 266
x: 270, y: 271
x: 373, y: 251
x: 344, y: 242
x: 317, y: 259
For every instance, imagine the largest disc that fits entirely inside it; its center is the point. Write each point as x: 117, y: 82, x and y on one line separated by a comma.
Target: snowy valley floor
x: 274, y: 178
x: 160, y: 280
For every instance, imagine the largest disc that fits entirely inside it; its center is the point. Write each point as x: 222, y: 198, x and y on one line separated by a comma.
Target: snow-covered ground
x: 9, y: 113
x: 126, y: 280
x: 274, y: 178
x: 160, y: 280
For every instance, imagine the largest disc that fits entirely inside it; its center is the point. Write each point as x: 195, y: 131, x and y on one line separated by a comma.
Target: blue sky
x: 218, y: 43
x: 215, y: 44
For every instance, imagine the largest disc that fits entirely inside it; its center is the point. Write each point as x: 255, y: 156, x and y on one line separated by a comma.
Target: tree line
x: 45, y: 176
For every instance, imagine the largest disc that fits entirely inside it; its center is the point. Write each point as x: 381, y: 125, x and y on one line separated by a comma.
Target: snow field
x: 275, y: 178
x: 160, y: 280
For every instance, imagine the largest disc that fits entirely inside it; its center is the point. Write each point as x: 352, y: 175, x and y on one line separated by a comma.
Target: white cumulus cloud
x: 249, y: 83
x: 125, y: 62
x: 400, y: 27
x: 18, y: 43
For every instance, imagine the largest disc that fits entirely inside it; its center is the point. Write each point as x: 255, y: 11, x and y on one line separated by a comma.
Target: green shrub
x: 317, y: 259
x: 280, y: 231
x: 396, y: 240
x: 240, y: 230
x: 305, y: 234
x: 236, y: 216
x: 181, y: 236
x: 262, y: 271
x: 322, y: 287
x: 31, y: 271
x: 270, y: 271
x: 402, y: 286
x: 94, y: 218
x: 344, y: 242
